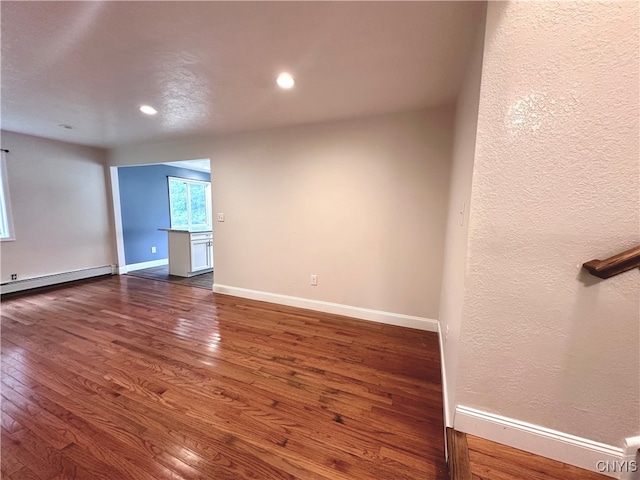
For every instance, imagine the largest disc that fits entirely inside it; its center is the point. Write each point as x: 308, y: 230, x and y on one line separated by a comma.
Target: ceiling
x: 203, y: 165
x: 210, y: 67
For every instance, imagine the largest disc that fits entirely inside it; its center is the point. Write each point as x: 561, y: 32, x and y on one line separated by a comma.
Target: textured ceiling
x: 209, y: 67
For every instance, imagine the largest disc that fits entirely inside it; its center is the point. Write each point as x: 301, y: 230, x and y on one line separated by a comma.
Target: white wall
x: 360, y: 203
x: 455, y: 254
x: 555, y: 184
x: 60, y: 208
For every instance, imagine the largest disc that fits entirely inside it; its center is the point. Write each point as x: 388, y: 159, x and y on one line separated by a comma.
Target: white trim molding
x: 399, y: 319
x: 56, y: 278
x: 139, y: 266
x: 448, y: 420
x: 6, y: 215
x: 560, y: 446
x: 631, y: 455
x: 117, y: 219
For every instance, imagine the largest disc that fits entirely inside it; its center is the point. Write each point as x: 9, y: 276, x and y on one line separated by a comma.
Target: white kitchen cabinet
x: 190, y: 253
x: 201, y: 252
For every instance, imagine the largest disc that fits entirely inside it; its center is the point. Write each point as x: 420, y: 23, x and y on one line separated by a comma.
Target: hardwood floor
x: 204, y: 280
x: 127, y: 378
x: 458, y: 455
x: 492, y: 461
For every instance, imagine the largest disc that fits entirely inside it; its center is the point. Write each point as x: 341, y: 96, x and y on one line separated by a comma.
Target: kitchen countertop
x: 188, y: 230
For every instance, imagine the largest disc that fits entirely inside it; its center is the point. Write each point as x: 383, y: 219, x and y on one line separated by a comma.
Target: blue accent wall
x: 144, y: 202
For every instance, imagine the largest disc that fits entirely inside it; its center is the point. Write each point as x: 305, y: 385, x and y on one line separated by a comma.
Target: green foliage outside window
x: 190, y: 203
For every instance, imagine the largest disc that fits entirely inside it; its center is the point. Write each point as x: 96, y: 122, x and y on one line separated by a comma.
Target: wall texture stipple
x: 457, y: 232
x: 555, y: 184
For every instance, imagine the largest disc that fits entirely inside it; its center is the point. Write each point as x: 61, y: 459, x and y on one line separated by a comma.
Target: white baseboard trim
x: 143, y: 265
x: 631, y: 455
x: 54, y: 279
x: 559, y: 446
x: 399, y: 319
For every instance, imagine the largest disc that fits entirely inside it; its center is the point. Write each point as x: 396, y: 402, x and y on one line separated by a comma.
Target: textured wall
x: 144, y: 203
x: 455, y: 253
x: 360, y: 203
x: 60, y: 208
x: 555, y: 184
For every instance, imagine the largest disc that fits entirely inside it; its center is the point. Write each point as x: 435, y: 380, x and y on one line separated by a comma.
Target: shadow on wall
x: 586, y: 278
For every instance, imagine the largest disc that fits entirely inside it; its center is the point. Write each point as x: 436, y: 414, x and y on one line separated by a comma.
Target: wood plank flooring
x: 493, y: 461
x: 126, y: 378
x: 204, y: 280
x: 458, y: 451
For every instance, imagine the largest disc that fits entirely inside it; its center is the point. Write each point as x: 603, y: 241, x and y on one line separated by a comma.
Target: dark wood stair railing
x: 622, y: 262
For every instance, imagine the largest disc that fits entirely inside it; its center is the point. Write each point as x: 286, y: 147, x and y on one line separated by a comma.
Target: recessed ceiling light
x: 285, y: 81
x: 148, y: 110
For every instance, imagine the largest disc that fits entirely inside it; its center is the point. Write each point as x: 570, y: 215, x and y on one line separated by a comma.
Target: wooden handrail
x: 622, y: 262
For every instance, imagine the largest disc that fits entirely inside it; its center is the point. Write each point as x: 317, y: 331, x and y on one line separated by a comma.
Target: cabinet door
x: 200, y: 255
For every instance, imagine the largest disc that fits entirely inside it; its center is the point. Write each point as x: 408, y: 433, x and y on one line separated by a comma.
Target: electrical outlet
x: 153, y: 249
x: 14, y: 276
x: 314, y: 280
x: 221, y: 217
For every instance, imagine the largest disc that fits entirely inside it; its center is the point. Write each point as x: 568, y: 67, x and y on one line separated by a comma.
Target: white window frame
x: 208, y: 201
x: 6, y: 216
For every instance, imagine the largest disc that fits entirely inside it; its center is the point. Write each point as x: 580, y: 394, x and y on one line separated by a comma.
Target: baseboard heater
x: 56, y: 278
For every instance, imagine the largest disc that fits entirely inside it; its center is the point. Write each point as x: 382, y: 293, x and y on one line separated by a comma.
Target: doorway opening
x: 155, y: 202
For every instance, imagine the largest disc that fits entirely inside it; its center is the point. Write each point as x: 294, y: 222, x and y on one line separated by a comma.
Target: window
x: 189, y: 203
x: 6, y: 221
